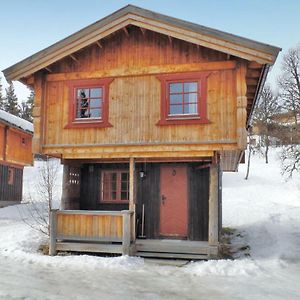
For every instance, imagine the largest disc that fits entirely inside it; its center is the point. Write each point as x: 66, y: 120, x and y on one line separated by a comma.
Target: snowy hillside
x: 265, y: 209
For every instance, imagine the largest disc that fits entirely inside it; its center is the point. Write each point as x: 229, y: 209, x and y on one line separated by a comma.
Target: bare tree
x: 250, y: 150
x: 264, y: 113
x: 289, y: 82
x: 290, y: 160
x: 41, y: 203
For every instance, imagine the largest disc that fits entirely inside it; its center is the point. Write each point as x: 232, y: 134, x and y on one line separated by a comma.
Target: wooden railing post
x: 53, y: 231
x: 126, y: 232
x: 132, y: 193
x: 213, y: 230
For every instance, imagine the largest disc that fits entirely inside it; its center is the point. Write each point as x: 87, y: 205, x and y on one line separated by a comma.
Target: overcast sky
x: 28, y: 26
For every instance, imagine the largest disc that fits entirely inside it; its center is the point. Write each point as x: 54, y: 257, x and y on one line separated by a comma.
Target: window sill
x: 88, y: 124
x: 183, y: 121
x: 114, y: 202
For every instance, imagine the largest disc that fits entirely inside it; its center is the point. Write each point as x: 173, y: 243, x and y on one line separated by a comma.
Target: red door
x: 173, y: 201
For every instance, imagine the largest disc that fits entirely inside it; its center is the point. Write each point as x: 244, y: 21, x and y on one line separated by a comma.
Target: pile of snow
x: 265, y: 208
x: 16, y: 121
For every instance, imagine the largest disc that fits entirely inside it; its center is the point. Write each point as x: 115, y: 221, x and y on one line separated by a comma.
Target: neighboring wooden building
x: 145, y: 111
x: 15, y: 144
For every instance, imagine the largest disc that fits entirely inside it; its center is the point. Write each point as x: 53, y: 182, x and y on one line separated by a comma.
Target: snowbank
x: 265, y: 209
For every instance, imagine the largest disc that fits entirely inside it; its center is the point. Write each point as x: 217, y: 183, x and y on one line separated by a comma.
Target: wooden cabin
x: 15, y: 144
x: 145, y: 111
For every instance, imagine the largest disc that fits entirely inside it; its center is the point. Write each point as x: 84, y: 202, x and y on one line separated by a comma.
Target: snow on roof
x: 16, y: 121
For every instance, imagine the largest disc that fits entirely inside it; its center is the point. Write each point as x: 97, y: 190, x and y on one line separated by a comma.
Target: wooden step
x: 174, y: 246
x: 172, y: 255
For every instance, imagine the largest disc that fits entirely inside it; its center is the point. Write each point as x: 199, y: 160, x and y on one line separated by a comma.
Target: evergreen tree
x: 11, y: 103
x: 2, y: 98
x: 26, y: 107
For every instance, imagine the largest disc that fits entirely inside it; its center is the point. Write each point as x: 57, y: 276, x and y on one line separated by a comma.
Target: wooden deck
x: 181, y: 249
x: 111, y: 232
x: 91, y: 231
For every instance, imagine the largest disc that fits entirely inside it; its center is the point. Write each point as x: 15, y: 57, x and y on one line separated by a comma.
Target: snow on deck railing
x: 16, y: 121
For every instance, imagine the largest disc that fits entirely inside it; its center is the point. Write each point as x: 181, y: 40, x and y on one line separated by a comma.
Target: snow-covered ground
x: 265, y: 208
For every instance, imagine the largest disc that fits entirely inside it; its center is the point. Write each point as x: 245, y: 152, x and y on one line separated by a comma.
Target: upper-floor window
x: 89, y: 103
x: 183, y: 98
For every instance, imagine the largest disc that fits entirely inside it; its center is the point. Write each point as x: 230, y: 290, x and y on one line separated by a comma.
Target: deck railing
x: 91, y: 226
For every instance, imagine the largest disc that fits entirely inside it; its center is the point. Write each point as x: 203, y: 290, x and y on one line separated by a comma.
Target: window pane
x: 190, y: 108
x: 96, y: 92
x: 95, y: 113
x: 176, y: 99
x: 124, y: 176
x: 190, y: 87
x: 83, y: 113
x: 113, y: 181
x: 124, y: 196
x: 124, y: 185
x: 176, y: 109
x: 95, y: 103
x: 113, y: 195
x: 176, y: 87
x: 82, y: 93
x: 190, y: 98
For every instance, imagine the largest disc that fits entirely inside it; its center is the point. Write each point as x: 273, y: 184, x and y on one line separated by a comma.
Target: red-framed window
x: 89, y: 103
x: 183, y: 98
x: 115, y: 186
x: 10, y: 176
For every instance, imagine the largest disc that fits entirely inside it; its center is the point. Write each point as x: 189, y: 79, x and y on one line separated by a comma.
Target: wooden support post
x: 64, y: 204
x: 53, y: 231
x: 132, y: 193
x: 213, y: 230
x: 38, y: 114
x: 126, y: 239
x: 241, y: 89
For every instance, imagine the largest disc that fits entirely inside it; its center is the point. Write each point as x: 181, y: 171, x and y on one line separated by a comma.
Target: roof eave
x: 150, y: 20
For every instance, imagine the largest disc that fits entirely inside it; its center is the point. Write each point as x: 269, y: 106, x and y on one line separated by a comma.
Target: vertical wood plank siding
x: 136, y: 99
x: 198, y: 180
x: 148, y: 193
x: 11, y: 192
x: 89, y: 227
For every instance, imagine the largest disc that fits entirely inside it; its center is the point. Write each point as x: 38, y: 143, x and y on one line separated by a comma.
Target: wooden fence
x: 91, y: 227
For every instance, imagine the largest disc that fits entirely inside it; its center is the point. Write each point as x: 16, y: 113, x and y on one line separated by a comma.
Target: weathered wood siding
x: 135, y: 99
x: 198, y: 203
x: 90, y: 227
x: 137, y: 49
x: 148, y: 194
x: 11, y: 192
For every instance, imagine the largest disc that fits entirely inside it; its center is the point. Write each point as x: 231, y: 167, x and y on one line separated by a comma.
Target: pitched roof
x: 15, y: 121
x: 191, y: 32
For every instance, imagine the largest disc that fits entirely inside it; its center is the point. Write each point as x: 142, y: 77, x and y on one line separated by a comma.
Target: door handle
x: 163, y: 199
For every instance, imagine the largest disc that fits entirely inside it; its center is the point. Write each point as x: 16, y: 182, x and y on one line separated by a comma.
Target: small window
x: 183, y: 98
x: 10, y: 176
x: 115, y: 186
x: 89, y: 103
x: 23, y: 141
